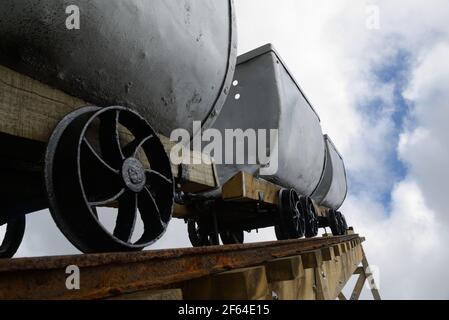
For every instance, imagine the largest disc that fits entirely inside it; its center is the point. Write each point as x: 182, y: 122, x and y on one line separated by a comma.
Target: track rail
x: 112, y: 274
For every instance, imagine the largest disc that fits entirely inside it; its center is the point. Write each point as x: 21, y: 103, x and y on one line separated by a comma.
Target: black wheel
x: 232, y: 237
x: 334, y: 223
x: 291, y: 220
x: 310, y: 217
x: 200, y: 235
x: 108, y: 157
x: 342, y: 222
x: 15, y: 229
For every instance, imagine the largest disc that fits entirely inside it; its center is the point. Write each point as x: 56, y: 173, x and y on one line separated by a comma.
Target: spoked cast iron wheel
x: 337, y: 223
x: 292, y: 224
x: 108, y: 157
x: 15, y: 228
x: 232, y: 237
x: 343, y: 223
x: 200, y: 235
x: 310, y: 217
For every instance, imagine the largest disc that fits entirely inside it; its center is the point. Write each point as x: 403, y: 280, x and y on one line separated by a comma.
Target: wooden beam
x: 245, y: 188
x: 242, y: 284
x: 342, y: 297
x: 333, y: 269
x: 284, y: 269
x: 30, y: 109
x: 358, y: 287
x: 369, y: 276
x: 321, y: 279
x: 307, y: 286
x: 359, y: 270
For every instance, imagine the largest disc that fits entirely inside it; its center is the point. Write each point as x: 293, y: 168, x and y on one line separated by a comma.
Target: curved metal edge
x: 48, y: 165
x: 231, y: 65
x: 347, y: 187
x: 15, y: 230
x: 327, y: 163
x: 344, y: 169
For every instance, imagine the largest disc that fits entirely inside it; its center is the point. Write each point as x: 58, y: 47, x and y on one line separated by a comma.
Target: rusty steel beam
x: 112, y: 274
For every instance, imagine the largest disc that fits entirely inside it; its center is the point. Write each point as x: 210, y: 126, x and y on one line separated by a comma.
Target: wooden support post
x: 359, y: 270
x: 342, y: 297
x: 358, y: 287
x: 369, y: 276
x: 314, y: 260
x: 307, y: 285
x: 284, y: 277
x: 332, y: 268
x: 322, y: 280
x: 364, y: 274
x: 344, y: 259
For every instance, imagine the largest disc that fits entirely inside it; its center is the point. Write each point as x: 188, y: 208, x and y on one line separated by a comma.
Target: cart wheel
x: 232, y: 237
x: 292, y: 224
x: 200, y: 236
x: 15, y: 229
x: 108, y: 157
x: 310, y: 217
x: 334, y: 223
x: 343, y: 223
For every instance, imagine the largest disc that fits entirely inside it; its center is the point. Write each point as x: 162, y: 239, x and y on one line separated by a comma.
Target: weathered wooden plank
x: 241, y: 284
x: 307, y: 286
x: 341, y: 296
x: 284, y: 269
x: 369, y: 275
x: 358, y: 287
x: 30, y: 109
x: 244, y: 187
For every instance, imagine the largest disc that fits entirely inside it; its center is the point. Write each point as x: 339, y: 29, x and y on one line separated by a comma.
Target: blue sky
x: 395, y: 71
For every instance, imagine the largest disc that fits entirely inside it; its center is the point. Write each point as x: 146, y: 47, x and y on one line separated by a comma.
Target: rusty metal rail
x: 108, y: 275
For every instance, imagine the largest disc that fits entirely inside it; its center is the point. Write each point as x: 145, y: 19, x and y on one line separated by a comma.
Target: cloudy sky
x: 380, y: 87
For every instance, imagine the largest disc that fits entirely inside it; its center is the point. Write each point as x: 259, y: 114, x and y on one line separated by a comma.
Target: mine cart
x: 84, y: 112
x: 309, y: 185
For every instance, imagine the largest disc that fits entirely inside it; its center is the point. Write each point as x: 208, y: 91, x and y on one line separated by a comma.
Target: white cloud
x: 408, y: 246
x: 333, y: 56
x: 424, y: 146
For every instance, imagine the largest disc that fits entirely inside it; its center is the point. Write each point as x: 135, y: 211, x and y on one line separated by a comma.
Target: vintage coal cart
x: 164, y: 63
x: 309, y: 184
